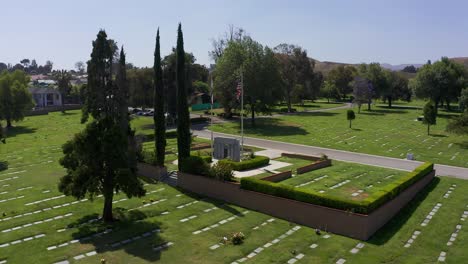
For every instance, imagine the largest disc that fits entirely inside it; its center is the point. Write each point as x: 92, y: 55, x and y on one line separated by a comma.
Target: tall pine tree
x: 183, y: 118
x: 100, y: 159
x: 159, y: 118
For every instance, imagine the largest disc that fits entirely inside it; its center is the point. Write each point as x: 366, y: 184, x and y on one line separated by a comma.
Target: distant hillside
x: 461, y: 60
x: 399, y: 67
x: 326, y: 66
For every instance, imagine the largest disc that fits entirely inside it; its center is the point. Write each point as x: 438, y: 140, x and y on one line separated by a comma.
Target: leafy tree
x: 329, y: 90
x: 296, y: 69
x: 396, y: 88
x: 25, y: 63
x: 101, y: 158
x: 3, y: 67
x: 33, y: 66
x: 409, y: 69
x: 183, y: 118
x: 80, y: 67
x: 15, y: 98
x: 219, y: 45
x: 463, y: 100
x: 2, y: 137
x: 48, y: 66
x: 201, y: 87
x: 141, y: 87
x: 439, y: 82
x: 363, y: 92
x: 159, y: 96
x: 63, y: 78
x: 430, y: 115
x: 459, y: 125
x: 169, y: 64
x: 262, y: 79
x: 341, y: 77
x: 376, y: 75
x: 350, y: 116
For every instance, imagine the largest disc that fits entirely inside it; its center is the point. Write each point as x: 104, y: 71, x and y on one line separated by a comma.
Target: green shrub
x: 365, y: 206
x: 222, y: 172
x: 194, y: 165
x: 255, y: 162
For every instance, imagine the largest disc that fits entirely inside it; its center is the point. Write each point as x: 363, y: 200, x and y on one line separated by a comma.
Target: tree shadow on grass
x: 3, y: 165
x: 393, y: 226
x: 270, y: 126
x: 438, y: 135
x: 18, y: 130
x: 463, y: 145
x: 315, y: 114
x: 128, y: 230
x: 215, y: 202
x: 383, y: 111
x: 399, y: 107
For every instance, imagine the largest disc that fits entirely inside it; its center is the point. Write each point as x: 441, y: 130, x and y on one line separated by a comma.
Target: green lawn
x: 358, y: 181
x: 382, y: 131
x: 32, y: 153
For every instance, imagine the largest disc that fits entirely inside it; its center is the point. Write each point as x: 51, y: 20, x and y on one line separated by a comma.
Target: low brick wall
x: 332, y: 220
x: 299, y: 156
x: 151, y: 171
x: 278, y: 177
x: 314, y: 166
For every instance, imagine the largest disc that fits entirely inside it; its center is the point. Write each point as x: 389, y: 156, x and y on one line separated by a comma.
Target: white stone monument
x: 226, y: 148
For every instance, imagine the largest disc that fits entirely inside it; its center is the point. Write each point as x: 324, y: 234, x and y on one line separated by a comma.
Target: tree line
x: 28, y: 66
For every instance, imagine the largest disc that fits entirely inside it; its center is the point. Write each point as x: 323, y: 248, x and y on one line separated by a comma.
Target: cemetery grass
x: 363, y: 180
x: 33, y: 157
x: 382, y: 131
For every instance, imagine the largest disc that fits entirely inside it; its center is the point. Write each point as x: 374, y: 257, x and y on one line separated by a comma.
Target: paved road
x: 393, y: 163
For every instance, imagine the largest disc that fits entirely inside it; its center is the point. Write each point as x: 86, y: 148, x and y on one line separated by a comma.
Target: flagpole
x: 242, y: 112
x: 211, y: 119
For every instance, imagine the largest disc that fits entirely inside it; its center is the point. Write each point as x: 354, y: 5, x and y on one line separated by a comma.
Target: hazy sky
x: 407, y: 31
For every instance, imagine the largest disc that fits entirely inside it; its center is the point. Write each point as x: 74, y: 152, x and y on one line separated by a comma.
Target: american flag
x: 239, y: 90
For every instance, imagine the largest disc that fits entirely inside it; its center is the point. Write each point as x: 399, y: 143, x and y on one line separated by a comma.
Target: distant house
x: 46, y: 96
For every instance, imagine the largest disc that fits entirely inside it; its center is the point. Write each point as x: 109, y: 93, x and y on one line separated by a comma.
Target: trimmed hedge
x: 257, y: 161
x: 365, y: 206
x: 150, y: 137
x: 194, y: 165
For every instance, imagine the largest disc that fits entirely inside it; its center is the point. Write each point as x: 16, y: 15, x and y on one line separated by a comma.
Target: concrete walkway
x: 374, y: 160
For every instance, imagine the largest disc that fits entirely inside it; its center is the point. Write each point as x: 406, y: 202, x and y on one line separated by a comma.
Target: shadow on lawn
x: 18, y: 130
x: 382, y: 111
x: 463, y: 145
x: 392, y: 227
x: 128, y: 230
x: 3, y: 165
x: 218, y: 203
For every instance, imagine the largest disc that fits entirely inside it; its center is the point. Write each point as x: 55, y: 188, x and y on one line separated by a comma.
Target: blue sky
x: 346, y: 31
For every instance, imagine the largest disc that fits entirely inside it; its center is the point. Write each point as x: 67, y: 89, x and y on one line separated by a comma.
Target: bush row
x: 150, y: 137
x: 365, y: 206
x: 198, y: 165
x: 255, y: 162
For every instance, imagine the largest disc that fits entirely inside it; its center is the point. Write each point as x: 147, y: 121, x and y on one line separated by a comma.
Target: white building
x: 46, y: 96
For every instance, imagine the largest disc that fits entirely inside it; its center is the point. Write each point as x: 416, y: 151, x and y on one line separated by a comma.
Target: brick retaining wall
x: 278, y: 177
x: 314, y: 166
x: 333, y: 220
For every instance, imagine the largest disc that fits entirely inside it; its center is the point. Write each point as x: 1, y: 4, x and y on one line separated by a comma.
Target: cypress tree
x: 101, y: 159
x: 159, y: 118
x: 183, y: 118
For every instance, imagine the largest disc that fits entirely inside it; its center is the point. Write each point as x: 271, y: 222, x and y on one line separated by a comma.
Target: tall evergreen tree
x: 159, y: 118
x: 15, y: 99
x: 101, y: 159
x: 183, y: 118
